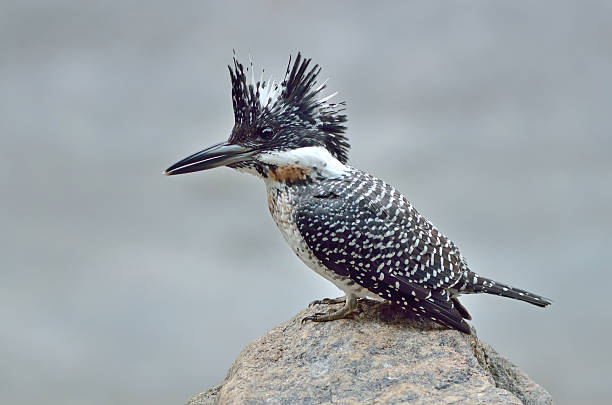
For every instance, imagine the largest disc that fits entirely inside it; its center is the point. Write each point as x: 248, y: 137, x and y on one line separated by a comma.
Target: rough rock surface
x: 380, y: 356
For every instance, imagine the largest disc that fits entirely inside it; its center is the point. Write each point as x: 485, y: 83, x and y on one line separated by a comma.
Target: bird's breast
x: 282, y: 205
x: 282, y: 202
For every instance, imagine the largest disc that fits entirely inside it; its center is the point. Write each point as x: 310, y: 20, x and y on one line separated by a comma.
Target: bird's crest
x: 295, y: 103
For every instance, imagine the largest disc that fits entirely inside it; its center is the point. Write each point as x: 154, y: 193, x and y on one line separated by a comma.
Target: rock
x: 379, y: 356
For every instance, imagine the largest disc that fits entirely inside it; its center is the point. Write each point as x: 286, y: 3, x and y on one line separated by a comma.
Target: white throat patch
x: 314, y: 159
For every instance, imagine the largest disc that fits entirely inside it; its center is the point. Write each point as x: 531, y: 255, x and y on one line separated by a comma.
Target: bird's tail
x: 489, y: 286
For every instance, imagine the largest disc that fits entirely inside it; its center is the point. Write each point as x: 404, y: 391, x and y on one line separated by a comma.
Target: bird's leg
x: 349, y: 306
x: 328, y: 301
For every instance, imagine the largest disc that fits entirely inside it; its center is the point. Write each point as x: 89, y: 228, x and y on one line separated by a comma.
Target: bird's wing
x: 365, y: 229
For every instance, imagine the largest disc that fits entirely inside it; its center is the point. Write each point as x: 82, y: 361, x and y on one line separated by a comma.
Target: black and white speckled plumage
x: 365, y: 230
x: 374, y: 243
x: 348, y: 226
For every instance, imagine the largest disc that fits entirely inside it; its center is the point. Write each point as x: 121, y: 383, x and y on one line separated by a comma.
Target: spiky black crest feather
x: 294, y: 108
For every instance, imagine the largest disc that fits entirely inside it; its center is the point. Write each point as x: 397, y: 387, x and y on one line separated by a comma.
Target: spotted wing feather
x: 363, y: 228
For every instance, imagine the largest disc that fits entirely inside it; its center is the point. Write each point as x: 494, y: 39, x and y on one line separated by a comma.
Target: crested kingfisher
x: 350, y: 227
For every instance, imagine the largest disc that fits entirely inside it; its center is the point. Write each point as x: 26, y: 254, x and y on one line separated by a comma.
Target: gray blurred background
x: 119, y: 285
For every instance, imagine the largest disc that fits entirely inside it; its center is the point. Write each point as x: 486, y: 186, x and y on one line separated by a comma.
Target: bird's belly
x: 282, y: 208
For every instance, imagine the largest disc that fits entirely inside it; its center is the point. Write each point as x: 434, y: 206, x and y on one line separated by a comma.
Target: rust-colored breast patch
x: 289, y: 173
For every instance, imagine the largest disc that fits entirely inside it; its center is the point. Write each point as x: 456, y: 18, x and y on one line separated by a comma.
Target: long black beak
x: 221, y: 154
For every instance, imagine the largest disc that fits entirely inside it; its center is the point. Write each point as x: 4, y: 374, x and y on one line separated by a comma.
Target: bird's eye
x: 266, y: 133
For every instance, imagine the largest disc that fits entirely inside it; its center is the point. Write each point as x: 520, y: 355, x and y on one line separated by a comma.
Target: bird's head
x: 278, y: 126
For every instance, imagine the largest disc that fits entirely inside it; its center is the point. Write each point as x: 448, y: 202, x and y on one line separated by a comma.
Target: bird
x: 348, y: 226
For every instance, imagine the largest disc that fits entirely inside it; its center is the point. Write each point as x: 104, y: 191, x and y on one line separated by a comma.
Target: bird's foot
x: 317, y: 317
x: 328, y: 301
x: 346, y: 310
